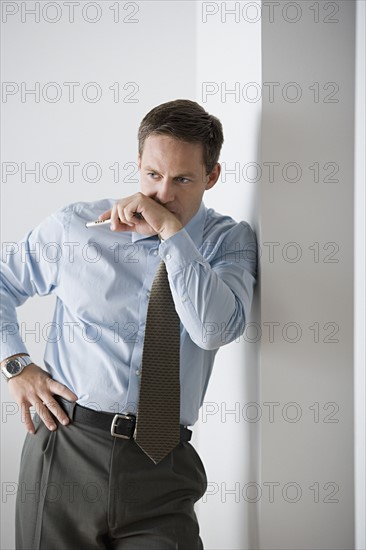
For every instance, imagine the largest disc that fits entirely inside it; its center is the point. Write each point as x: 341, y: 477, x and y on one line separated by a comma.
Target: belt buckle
x: 114, y: 425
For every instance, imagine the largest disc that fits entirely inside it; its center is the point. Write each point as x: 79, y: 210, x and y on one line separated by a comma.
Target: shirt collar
x: 194, y: 227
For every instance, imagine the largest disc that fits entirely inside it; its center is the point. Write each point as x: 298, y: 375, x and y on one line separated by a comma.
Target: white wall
x: 170, y: 51
x: 149, y: 53
x: 307, y: 368
x: 166, y: 51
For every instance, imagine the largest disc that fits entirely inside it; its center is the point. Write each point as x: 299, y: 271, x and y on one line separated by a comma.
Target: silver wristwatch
x: 15, y: 365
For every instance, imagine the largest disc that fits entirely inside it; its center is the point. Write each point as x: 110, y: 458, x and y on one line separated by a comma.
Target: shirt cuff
x: 178, y: 251
x: 16, y: 346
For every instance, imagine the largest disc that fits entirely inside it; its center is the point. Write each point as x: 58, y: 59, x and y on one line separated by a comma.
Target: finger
x: 62, y: 390
x: 105, y: 215
x: 118, y: 223
x: 123, y: 215
x: 45, y: 415
x: 130, y: 216
x: 114, y: 217
x: 56, y: 410
x: 26, y: 417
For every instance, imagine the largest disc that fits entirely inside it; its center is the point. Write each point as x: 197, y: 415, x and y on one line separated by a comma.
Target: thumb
x: 105, y: 215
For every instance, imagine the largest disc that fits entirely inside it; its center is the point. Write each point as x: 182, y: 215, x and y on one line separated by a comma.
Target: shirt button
x: 168, y: 256
x: 155, y: 252
x: 184, y: 299
x: 148, y: 293
x: 138, y: 372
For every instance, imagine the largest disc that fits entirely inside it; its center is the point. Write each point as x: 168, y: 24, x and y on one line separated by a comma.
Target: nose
x: 165, y: 193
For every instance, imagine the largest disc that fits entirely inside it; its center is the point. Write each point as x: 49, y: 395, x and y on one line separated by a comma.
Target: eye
x: 183, y: 180
x: 152, y: 175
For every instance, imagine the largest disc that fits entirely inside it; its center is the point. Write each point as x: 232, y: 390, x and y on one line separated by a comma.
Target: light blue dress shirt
x: 102, y: 281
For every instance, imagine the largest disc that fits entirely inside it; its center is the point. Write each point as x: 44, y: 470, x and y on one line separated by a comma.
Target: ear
x: 139, y: 162
x: 214, y: 176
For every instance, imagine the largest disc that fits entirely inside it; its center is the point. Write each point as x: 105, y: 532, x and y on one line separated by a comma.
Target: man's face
x: 172, y: 173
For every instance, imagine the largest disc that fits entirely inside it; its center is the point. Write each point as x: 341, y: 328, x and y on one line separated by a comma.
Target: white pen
x: 98, y: 222
x: 95, y: 223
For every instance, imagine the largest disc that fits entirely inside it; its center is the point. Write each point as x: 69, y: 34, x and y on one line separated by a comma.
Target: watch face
x: 13, y: 367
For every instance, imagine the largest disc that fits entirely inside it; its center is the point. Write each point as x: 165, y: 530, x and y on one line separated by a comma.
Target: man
x: 95, y: 481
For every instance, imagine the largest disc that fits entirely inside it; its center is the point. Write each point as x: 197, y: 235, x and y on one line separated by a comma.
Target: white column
x: 359, y: 294
x: 228, y: 58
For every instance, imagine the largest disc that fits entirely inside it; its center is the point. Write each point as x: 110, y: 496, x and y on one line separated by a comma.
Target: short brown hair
x: 187, y: 121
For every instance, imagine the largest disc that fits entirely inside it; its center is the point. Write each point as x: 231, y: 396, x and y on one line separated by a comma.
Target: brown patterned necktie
x: 157, y: 429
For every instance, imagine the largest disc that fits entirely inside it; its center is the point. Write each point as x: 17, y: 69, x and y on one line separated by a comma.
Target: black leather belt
x: 119, y: 425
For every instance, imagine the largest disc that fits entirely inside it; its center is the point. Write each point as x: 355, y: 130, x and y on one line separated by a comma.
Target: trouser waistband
x: 118, y: 425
